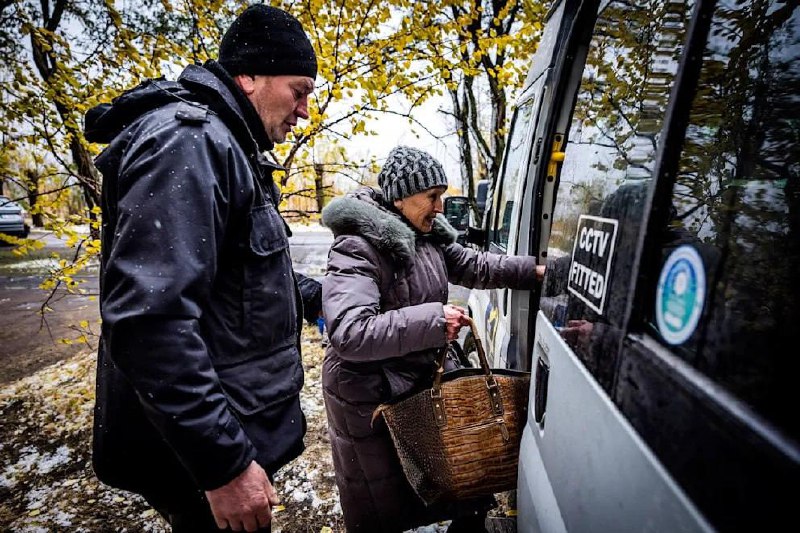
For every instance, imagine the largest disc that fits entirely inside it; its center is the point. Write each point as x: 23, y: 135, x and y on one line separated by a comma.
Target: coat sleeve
x: 311, y: 294
x: 357, y: 328
x: 484, y: 270
x: 174, y: 190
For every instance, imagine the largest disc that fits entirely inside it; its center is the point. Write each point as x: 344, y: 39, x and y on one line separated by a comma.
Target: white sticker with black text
x: 592, y: 254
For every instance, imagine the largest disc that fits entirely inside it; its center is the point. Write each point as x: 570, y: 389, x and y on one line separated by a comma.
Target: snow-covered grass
x: 46, y: 480
x: 47, y: 483
x: 45, y: 264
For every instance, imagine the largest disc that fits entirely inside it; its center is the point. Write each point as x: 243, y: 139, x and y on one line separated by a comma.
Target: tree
x: 479, y: 52
x: 74, y: 58
x: 62, y: 57
x: 58, y: 59
x: 372, y: 52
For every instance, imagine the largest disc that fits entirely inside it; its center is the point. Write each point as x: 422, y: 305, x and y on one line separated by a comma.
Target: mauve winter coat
x: 383, y: 298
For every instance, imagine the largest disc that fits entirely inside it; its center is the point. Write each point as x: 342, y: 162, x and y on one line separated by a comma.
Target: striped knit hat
x: 408, y: 171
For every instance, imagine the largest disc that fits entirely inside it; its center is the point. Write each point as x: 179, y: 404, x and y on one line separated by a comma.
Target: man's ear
x: 246, y: 83
x: 398, y: 204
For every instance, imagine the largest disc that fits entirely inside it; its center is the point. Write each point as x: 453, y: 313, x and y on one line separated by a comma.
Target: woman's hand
x: 456, y: 318
x: 577, y: 332
x: 540, y: 272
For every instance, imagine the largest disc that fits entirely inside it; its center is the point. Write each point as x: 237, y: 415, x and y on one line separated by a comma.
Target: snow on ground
x: 46, y: 480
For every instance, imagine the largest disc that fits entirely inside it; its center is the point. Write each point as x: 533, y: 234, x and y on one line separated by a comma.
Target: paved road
x: 30, y: 339
x: 309, y: 251
x: 29, y: 342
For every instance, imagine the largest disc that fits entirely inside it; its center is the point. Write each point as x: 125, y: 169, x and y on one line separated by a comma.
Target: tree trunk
x: 460, y: 115
x: 46, y: 62
x: 90, y: 181
x: 319, y: 185
x: 32, y: 188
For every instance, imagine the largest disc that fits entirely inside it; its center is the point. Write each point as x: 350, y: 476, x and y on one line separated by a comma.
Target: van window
x: 603, y: 185
x: 732, y: 307
x: 456, y: 211
x: 516, y: 162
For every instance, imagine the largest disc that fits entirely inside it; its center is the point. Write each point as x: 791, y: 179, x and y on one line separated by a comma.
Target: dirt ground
x: 29, y: 343
x: 46, y: 480
x: 47, y: 483
x: 46, y: 400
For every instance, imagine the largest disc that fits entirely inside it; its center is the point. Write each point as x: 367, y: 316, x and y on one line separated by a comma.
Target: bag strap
x: 481, y: 355
x: 491, y: 383
x: 493, y: 389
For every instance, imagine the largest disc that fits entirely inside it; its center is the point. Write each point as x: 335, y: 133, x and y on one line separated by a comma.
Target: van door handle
x: 556, y: 157
x: 540, y: 392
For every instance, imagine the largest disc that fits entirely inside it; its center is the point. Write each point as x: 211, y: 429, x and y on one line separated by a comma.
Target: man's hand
x: 245, y: 502
x: 456, y: 318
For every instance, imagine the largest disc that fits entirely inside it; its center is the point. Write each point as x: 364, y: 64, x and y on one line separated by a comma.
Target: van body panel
x: 676, y: 121
x: 616, y: 484
x: 537, y: 506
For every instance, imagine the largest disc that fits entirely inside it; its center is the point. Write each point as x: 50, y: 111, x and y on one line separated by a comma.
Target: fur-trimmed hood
x: 362, y: 212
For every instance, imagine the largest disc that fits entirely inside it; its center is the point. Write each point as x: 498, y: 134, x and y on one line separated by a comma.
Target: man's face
x: 421, y: 208
x: 279, y: 101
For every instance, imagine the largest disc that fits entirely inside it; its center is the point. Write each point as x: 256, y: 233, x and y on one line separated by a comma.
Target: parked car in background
x: 654, y: 165
x: 12, y: 218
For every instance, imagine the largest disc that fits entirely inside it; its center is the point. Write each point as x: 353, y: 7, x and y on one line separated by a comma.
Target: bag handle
x: 491, y: 383
x: 481, y: 355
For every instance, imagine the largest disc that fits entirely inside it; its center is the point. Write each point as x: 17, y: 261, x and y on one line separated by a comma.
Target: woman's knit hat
x: 267, y: 40
x: 408, y: 171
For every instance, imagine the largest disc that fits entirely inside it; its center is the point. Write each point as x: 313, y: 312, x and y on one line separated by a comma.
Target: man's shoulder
x: 192, y: 113
x: 185, y: 117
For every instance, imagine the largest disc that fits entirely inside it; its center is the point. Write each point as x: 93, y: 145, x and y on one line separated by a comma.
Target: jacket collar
x: 364, y: 213
x: 247, y: 110
x: 209, y: 86
x: 222, y: 100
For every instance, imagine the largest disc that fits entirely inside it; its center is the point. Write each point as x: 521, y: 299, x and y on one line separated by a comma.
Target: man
x: 199, y: 370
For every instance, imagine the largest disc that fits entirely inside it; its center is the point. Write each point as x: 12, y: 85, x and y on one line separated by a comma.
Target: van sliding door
x: 505, y: 223
x: 582, y: 467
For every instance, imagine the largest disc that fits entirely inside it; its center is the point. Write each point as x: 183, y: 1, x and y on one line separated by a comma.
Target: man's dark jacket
x: 199, y: 369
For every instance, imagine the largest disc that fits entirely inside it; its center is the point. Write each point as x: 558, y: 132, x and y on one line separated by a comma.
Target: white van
x: 654, y: 166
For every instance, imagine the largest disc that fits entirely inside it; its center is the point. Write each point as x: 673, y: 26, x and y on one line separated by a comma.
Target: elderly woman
x: 385, y: 304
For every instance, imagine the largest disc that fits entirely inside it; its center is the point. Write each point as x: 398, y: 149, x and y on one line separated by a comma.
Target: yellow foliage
x: 369, y: 55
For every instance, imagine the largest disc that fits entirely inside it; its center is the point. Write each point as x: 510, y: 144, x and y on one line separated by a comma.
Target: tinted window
x: 603, y: 185
x: 516, y: 162
x: 732, y: 307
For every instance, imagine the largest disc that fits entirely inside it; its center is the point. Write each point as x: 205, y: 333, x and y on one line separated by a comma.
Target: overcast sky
x: 394, y: 130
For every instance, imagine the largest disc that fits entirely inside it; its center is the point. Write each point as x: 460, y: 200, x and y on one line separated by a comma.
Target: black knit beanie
x: 408, y: 171
x: 267, y: 40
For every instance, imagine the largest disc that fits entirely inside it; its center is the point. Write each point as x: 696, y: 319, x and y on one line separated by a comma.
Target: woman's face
x: 421, y: 208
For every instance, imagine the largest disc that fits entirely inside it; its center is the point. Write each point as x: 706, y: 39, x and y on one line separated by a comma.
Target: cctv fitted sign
x: 592, y: 254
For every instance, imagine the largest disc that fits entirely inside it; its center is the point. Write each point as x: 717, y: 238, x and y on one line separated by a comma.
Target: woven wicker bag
x: 460, y: 438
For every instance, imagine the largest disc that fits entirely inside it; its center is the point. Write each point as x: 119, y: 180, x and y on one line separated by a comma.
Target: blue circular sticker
x: 681, y: 295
